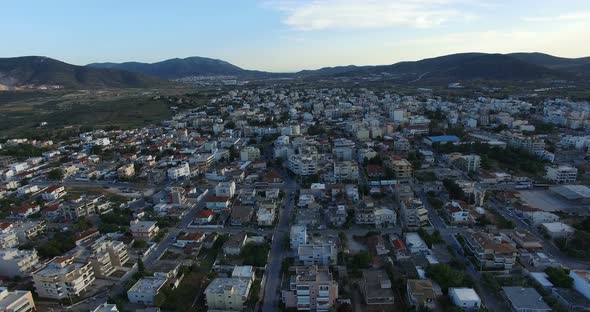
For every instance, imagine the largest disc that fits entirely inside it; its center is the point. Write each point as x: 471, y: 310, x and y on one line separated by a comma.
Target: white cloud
x: 352, y: 14
x: 567, y: 17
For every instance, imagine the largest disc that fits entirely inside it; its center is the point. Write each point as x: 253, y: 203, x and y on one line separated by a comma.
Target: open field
x: 21, y: 113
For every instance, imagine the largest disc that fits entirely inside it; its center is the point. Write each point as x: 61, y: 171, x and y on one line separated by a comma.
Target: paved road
x: 278, y: 250
x: 169, y: 239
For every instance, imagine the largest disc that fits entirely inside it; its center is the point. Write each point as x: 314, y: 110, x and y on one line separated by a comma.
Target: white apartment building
x: 225, y: 189
x: 343, y: 149
x: 249, y: 153
x: 561, y: 174
x: 143, y: 229
x: 227, y: 294
x: 63, y: 278
x: 317, y: 253
x: 16, y: 300
x: 468, y: 163
x: 14, y: 262
x: 145, y: 290
x: 298, y: 236
x: 303, y: 165
x: 182, y: 171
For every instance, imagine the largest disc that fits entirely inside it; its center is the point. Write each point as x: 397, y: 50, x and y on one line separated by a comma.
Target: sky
x: 290, y: 35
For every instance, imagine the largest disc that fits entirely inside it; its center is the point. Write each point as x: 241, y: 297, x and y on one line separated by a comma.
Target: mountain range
x: 43, y: 71
x: 38, y: 71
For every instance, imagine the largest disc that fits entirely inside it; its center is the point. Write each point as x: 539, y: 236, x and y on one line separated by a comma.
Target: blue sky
x: 289, y: 35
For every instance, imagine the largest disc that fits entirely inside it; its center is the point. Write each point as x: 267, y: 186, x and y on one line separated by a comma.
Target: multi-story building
x: 532, y: 144
x: 491, y: 252
x: 143, y: 229
x: 413, y: 213
x: 14, y: 262
x: 249, y: 153
x: 181, y: 171
x: 346, y: 171
x: 468, y: 163
x: 53, y: 192
x: 311, y: 289
x: 298, y: 236
x: 104, y: 255
x: 401, y: 167
x: 227, y: 189
x: 16, y: 300
x: 63, y: 278
x: 8, y: 238
x: 561, y: 174
x: 303, y: 165
x: 317, y: 253
x: 227, y: 293
x: 126, y: 171
x: 145, y: 290
x: 343, y: 149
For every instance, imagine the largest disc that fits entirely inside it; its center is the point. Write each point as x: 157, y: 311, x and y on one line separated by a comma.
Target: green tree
x: 559, y: 277
x: 56, y: 174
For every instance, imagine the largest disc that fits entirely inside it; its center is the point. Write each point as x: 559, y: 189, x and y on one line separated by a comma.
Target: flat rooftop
x: 148, y: 285
x: 525, y: 298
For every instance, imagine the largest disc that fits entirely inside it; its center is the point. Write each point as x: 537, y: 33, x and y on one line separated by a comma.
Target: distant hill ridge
x: 37, y: 70
x: 44, y: 71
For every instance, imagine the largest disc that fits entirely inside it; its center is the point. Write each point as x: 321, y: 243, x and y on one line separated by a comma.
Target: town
x: 293, y: 198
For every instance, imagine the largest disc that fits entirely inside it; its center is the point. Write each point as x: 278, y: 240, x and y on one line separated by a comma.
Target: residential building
x: 249, y: 153
x: 145, y: 290
x: 376, y: 288
x: 218, y: 203
x: 106, y: 307
x: 53, y: 192
x: 126, y: 171
x: 233, y: 246
x: 561, y: 174
x: 311, y: 289
x: 346, y: 171
x: 571, y: 299
x: 62, y: 278
x: 401, y: 167
x: 413, y: 213
x: 557, y: 229
x: 581, y: 281
x: 421, y: 293
x: 298, y: 236
x: 15, y: 262
x: 302, y: 165
x: 8, y: 238
x: 143, y: 229
x: 455, y: 213
x: 468, y: 163
x: 16, y: 300
x: 491, y: 252
x: 317, y: 253
x: 465, y: 298
x: 524, y: 299
x: 180, y: 172
x: 415, y: 243
x: 225, y: 189
x: 343, y: 149
x: 227, y: 294
x: 384, y: 217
